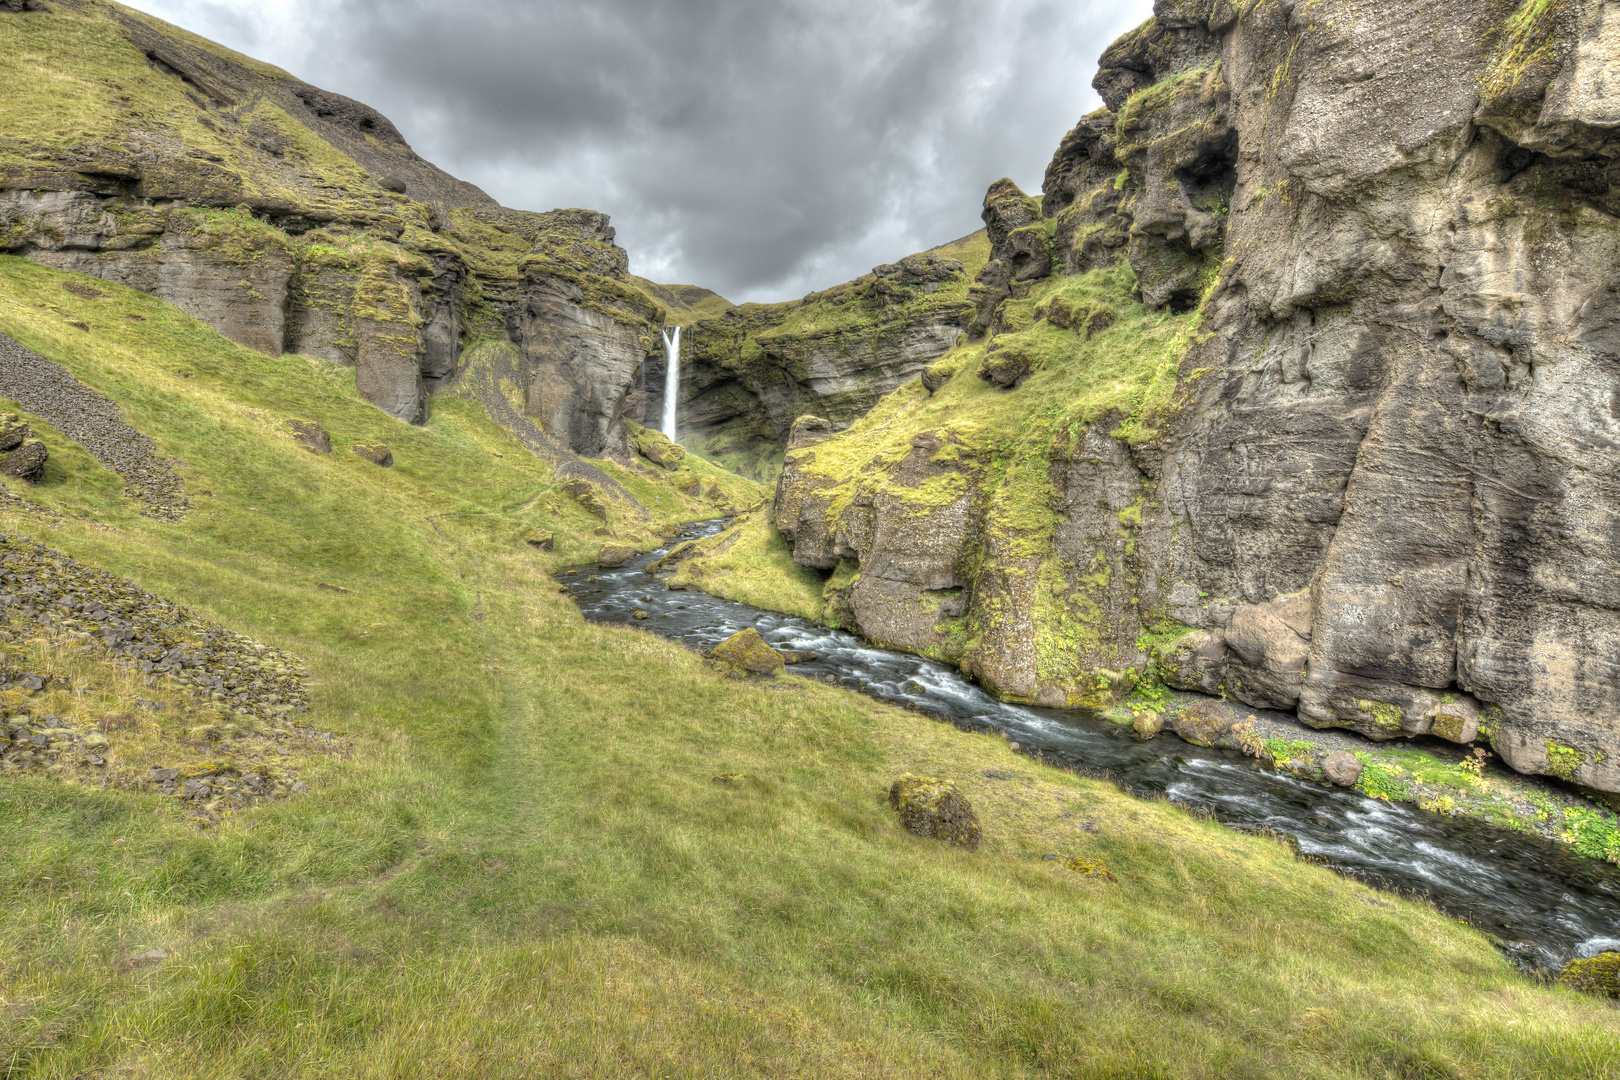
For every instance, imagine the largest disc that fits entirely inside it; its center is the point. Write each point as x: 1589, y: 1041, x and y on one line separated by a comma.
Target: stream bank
x: 1541, y: 902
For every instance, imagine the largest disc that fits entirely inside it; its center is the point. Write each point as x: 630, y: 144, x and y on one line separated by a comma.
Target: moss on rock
x: 935, y: 809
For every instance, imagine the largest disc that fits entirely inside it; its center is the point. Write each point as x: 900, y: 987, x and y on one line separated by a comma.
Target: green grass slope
x: 525, y: 868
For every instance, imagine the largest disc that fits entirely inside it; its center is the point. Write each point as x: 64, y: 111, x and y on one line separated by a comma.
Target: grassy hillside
x: 523, y: 867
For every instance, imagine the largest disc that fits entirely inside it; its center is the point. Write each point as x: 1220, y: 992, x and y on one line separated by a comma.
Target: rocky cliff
x: 292, y: 219
x: 1300, y: 384
x: 751, y: 371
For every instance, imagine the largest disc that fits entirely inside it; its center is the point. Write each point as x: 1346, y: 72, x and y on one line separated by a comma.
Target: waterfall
x: 672, y: 380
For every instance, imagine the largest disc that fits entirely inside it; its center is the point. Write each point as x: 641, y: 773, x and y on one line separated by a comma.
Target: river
x: 1540, y: 901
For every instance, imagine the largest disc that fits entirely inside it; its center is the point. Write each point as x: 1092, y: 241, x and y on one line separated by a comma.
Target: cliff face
x: 295, y: 220
x: 1368, y: 472
x: 749, y: 373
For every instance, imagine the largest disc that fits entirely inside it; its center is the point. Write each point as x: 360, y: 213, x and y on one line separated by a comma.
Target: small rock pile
x: 64, y: 596
x: 50, y: 392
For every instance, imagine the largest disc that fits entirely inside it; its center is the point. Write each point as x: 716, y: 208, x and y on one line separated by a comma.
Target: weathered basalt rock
x: 935, y: 809
x: 232, y: 194
x: 1377, y: 490
x: 746, y: 649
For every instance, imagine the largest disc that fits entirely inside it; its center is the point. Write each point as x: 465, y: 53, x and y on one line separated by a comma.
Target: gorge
x: 1225, y: 531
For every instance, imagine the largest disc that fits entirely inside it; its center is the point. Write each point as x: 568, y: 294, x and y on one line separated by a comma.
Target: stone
x: 376, y: 453
x: 13, y: 432
x: 796, y: 656
x: 656, y: 447
x: 543, y: 541
x: 1090, y: 868
x: 615, y: 554
x: 1203, y: 723
x: 311, y: 436
x: 935, y: 377
x: 27, y: 462
x: 1006, y: 367
x: 586, y: 495
x: 1598, y: 975
x: 1147, y: 724
x: 746, y: 649
x: 640, y: 616
x: 1342, y: 768
x: 934, y: 808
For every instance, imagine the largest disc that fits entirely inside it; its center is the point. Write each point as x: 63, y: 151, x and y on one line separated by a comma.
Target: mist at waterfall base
x: 672, y: 381
x: 1541, y: 902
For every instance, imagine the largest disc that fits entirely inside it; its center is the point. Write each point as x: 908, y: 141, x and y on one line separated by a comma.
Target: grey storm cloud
x: 761, y: 148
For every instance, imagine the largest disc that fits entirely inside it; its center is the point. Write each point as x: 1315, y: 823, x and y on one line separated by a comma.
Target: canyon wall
x: 292, y: 219
x: 1356, y: 457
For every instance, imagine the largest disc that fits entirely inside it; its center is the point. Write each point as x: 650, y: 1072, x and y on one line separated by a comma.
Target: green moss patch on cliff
x: 736, y: 447
x: 684, y: 304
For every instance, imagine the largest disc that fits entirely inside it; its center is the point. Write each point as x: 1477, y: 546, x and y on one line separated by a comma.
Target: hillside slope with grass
x: 516, y: 861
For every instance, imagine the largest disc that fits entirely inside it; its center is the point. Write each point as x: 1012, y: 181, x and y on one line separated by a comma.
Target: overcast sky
x: 762, y: 148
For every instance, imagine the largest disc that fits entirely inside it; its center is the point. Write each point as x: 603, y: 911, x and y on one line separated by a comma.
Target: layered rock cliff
x: 292, y: 219
x: 1300, y: 384
x: 750, y: 372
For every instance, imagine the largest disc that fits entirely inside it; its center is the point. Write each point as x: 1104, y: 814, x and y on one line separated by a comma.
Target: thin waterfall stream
x: 672, y: 381
x: 1540, y: 901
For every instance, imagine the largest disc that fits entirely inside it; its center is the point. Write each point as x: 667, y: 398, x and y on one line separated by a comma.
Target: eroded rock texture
x: 292, y: 219
x: 1383, y: 492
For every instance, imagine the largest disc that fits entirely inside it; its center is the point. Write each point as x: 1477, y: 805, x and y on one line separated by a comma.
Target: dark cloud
x: 760, y: 147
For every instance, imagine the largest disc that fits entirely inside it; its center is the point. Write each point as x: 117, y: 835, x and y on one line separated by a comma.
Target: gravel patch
x: 49, y: 391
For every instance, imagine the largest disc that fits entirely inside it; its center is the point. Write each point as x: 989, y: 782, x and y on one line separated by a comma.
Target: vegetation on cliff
x: 517, y: 866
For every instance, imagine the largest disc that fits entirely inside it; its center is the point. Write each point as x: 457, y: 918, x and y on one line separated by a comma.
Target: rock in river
x: 747, y: 650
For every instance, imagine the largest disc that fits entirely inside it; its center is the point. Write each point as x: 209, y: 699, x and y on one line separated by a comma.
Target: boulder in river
x: 615, y: 554
x: 934, y: 808
x: 1203, y: 723
x: 748, y: 650
x: 1599, y: 975
x: 1343, y: 768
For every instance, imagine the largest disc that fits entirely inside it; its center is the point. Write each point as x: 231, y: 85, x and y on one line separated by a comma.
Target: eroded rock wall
x: 1381, y: 491
x: 293, y: 219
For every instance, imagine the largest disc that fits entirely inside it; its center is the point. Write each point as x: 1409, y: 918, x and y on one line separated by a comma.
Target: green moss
x: 1563, y: 761
x: 1527, y: 40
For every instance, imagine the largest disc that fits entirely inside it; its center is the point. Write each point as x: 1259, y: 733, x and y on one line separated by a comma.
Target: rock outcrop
x: 292, y: 219
x: 1363, y: 469
x: 748, y: 374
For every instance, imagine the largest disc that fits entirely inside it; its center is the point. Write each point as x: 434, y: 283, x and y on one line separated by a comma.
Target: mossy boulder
x: 615, y: 554
x: 311, y: 436
x: 935, y: 809
x: 376, y: 453
x: 584, y: 493
x: 13, y: 433
x: 1599, y: 975
x: 656, y: 447
x: 1203, y: 723
x: 543, y: 540
x: 748, y: 650
x: 1006, y: 366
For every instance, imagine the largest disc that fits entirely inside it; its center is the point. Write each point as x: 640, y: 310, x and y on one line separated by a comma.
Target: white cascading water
x: 672, y: 381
